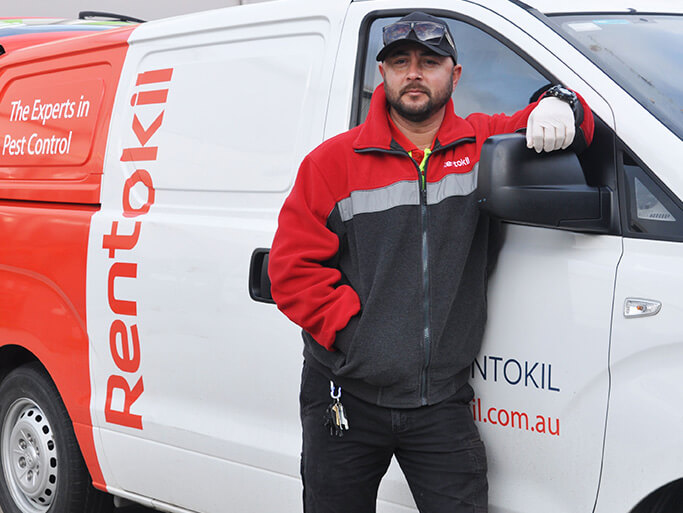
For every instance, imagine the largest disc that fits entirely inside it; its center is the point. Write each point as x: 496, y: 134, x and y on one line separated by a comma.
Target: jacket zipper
x: 422, y: 169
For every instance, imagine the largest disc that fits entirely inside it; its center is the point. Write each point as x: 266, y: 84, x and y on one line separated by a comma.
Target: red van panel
x: 55, y: 106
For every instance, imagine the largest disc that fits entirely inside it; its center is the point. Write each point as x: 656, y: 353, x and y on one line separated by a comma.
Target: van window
x: 494, y: 78
x: 633, y: 49
x: 651, y: 212
x: 47, y: 124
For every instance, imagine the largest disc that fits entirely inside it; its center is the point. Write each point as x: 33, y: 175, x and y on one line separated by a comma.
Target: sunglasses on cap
x: 424, y: 31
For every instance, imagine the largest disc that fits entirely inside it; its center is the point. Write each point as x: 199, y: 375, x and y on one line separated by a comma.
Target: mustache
x: 414, y: 88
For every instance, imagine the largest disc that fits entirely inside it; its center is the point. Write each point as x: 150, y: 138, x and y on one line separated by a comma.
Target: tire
x: 667, y: 499
x: 41, y: 467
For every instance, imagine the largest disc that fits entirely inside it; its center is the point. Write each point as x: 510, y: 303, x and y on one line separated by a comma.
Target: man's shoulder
x: 335, y: 147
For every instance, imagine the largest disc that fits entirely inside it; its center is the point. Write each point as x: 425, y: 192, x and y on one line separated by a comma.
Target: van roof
x: 588, y: 6
x: 16, y: 33
x: 602, y: 6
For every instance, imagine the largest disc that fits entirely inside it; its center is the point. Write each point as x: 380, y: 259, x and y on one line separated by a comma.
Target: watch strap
x: 567, y: 95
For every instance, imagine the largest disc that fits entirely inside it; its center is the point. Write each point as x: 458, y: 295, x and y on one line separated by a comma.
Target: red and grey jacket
x: 382, y: 259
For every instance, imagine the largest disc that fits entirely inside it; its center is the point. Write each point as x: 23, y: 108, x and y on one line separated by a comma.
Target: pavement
x: 134, y: 509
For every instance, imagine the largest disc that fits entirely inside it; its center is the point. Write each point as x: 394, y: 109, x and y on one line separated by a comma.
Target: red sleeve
x: 303, y: 288
x: 587, y: 126
x: 504, y: 124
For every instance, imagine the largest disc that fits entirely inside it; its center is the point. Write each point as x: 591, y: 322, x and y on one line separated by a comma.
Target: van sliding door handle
x: 635, y: 307
x: 259, y: 282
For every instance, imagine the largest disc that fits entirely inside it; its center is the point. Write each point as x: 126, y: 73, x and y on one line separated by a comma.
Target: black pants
x: 438, y: 448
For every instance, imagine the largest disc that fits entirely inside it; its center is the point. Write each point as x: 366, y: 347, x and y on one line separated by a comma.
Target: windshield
x: 642, y: 52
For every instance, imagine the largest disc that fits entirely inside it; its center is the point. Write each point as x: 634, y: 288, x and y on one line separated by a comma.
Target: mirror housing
x: 548, y: 189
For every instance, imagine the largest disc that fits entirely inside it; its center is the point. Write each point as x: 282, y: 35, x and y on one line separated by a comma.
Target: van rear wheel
x: 41, y: 467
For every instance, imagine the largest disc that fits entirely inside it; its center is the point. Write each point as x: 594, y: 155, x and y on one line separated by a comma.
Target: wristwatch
x: 568, y: 96
x: 564, y: 94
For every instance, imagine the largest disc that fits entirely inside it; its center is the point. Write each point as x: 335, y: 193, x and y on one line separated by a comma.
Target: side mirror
x: 548, y: 189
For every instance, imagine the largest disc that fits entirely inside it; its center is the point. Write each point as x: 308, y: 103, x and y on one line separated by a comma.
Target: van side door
x: 195, y: 385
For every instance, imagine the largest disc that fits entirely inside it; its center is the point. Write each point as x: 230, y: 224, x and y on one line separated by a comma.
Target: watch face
x: 562, y: 93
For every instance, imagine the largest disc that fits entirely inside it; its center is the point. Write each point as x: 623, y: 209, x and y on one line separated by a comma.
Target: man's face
x: 418, y: 82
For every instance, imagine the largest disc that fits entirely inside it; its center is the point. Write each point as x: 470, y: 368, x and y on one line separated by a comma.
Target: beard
x: 420, y: 112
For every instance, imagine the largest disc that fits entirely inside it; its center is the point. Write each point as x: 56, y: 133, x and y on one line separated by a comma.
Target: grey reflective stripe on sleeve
x: 452, y: 185
x: 378, y: 200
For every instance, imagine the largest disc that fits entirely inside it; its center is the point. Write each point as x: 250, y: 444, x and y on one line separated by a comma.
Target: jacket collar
x: 375, y: 132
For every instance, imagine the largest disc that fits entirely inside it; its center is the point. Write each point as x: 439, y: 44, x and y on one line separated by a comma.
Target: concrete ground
x: 135, y: 509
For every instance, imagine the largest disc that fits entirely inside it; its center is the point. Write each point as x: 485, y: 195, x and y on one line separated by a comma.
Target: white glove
x: 550, y: 125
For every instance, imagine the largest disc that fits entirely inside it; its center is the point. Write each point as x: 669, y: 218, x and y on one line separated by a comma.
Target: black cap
x: 444, y: 46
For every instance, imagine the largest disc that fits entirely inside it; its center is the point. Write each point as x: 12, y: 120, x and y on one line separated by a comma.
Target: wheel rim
x: 29, y: 456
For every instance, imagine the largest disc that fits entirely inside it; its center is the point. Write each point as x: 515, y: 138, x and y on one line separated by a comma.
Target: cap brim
x: 384, y: 52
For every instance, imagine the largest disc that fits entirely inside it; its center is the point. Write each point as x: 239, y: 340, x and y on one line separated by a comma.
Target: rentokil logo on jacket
x: 457, y: 163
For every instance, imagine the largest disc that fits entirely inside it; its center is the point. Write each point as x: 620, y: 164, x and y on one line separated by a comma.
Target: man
x: 381, y: 257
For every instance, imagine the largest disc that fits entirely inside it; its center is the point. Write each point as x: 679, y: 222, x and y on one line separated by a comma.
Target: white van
x: 141, y: 172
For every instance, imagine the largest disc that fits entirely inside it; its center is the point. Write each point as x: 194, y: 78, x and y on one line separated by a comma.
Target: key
x: 331, y: 420
x: 335, y: 411
x: 343, y: 422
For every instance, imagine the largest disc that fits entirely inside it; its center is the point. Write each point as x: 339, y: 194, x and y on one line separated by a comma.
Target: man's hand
x: 550, y: 125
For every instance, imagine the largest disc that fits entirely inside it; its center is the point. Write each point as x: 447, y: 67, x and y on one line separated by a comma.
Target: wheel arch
x: 13, y: 356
